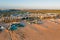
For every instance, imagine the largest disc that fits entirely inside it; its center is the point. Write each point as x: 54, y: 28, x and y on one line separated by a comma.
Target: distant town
x: 12, y: 14
x: 16, y: 24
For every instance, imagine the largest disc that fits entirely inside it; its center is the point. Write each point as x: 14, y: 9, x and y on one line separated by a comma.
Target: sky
x: 30, y: 4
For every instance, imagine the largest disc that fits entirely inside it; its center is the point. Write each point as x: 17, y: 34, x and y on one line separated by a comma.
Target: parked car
x: 21, y: 24
x: 15, y: 26
x: 1, y: 28
x: 40, y: 22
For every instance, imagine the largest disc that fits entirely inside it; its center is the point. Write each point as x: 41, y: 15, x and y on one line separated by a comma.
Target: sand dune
x: 43, y: 31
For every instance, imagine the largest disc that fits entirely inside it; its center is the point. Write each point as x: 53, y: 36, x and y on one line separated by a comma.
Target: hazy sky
x: 37, y: 4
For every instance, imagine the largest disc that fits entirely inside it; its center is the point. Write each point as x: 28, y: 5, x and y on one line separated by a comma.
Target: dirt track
x: 46, y: 31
